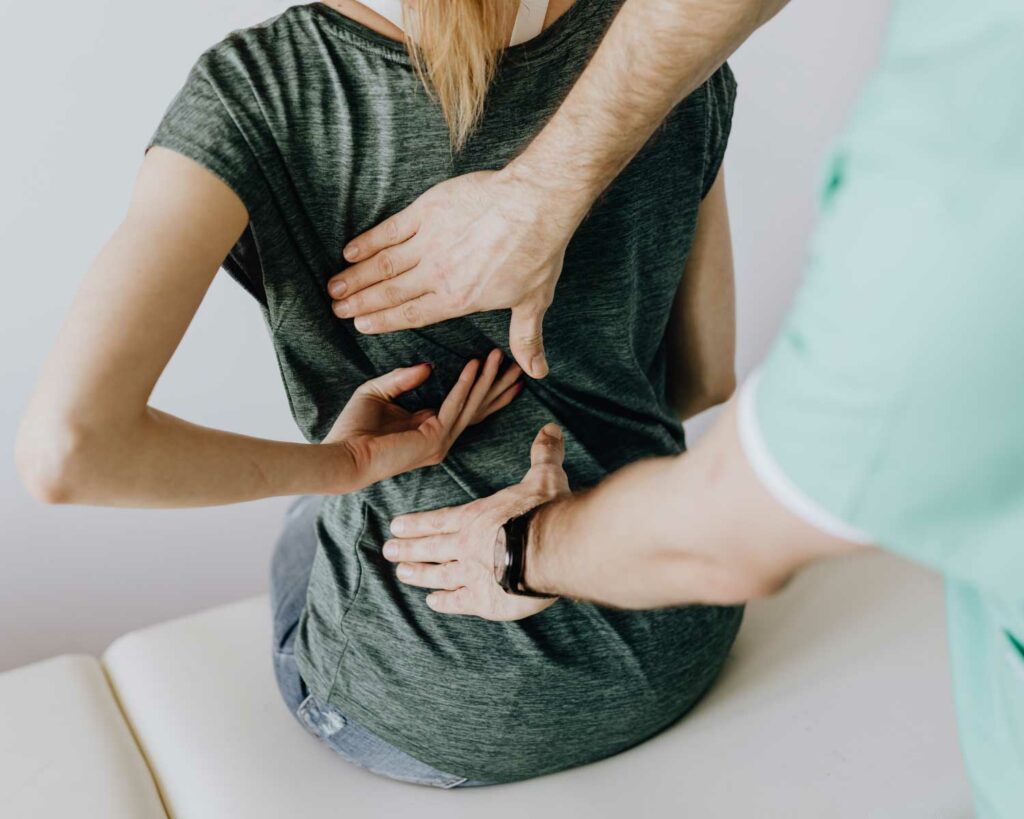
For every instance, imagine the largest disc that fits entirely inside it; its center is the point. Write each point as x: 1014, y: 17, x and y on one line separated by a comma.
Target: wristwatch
x: 510, y: 555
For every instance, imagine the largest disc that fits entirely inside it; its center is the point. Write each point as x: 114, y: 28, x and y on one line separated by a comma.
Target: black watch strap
x: 513, y: 578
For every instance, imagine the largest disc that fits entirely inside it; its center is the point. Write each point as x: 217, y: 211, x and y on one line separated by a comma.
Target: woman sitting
x: 288, y: 139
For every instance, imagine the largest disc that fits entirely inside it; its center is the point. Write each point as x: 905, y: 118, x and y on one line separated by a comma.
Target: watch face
x: 500, y: 556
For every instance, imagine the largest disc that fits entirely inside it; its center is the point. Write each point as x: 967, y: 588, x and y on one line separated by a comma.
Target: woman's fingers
x: 449, y: 575
x: 392, y: 231
x: 456, y: 399
x: 499, y: 402
x: 509, y: 378
x: 478, y: 394
x: 391, y: 385
x: 413, y: 422
x: 431, y: 549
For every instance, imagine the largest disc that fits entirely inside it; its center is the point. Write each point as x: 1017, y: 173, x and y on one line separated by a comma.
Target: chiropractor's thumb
x: 546, y: 476
x: 548, y: 447
x: 526, y: 338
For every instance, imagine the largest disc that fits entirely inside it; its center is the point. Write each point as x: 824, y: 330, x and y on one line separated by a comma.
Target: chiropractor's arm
x: 496, y: 240
x: 696, y: 528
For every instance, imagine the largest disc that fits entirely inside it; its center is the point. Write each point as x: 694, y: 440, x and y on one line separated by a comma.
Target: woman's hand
x: 484, y: 241
x: 452, y: 549
x: 385, y: 440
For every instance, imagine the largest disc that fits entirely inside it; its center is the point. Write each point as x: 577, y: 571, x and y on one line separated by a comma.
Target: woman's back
x: 323, y: 129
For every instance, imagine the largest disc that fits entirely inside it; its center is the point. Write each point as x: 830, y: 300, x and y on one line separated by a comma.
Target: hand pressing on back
x: 452, y: 549
x: 483, y: 241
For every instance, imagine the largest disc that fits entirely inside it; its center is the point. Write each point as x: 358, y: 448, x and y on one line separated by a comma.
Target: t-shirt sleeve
x: 200, y: 125
x: 720, y: 91
x: 889, y: 407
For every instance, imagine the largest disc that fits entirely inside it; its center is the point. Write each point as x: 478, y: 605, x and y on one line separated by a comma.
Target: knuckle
x: 392, y: 294
x: 459, y: 298
x: 390, y: 229
x: 530, y: 339
x: 410, y: 312
x: 442, y: 271
x: 385, y: 265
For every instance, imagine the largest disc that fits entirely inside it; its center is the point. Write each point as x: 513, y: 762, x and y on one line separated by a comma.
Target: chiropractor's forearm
x: 696, y: 528
x: 656, y: 52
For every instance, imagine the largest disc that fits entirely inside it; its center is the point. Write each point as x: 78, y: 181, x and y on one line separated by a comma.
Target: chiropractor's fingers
x: 430, y: 549
x: 387, y: 264
x: 548, y: 446
x: 388, y: 279
x: 451, y: 575
x: 526, y: 338
x: 435, y: 522
x: 459, y: 601
x: 392, y: 231
x: 418, y: 312
x: 547, y: 476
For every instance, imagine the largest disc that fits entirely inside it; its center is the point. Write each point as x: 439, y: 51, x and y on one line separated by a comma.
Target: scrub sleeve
x: 890, y: 409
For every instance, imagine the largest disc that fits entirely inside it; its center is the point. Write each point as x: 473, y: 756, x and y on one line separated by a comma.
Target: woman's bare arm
x: 89, y: 435
x: 701, y: 336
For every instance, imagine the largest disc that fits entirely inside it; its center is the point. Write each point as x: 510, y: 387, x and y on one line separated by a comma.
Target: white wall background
x: 82, y: 86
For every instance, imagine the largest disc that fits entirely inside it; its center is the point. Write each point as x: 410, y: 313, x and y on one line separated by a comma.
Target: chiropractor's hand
x: 484, y: 241
x: 384, y: 440
x: 452, y: 549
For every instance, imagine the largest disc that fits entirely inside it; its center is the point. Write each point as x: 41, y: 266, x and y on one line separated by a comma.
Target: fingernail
x: 342, y: 308
x: 352, y: 252
x: 538, y: 366
x: 404, y: 571
x: 397, y: 526
x: 390, y: 550
x: 555, y: 431
x: 337, y: 288
x: 363, y: 324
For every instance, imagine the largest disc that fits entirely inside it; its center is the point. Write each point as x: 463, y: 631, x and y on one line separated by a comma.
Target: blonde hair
x: 455, y: 50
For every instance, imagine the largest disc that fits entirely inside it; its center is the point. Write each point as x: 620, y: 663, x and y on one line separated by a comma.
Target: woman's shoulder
x: 258, y: 46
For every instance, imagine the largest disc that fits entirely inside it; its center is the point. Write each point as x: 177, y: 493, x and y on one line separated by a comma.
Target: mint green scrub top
x: 890, y: 409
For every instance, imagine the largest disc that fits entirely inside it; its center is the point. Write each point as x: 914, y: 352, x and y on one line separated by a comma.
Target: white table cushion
x: 836, y: 704
x: 65, y: 749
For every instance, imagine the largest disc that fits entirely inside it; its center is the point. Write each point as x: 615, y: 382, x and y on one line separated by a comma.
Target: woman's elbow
x: 49, y: 455
x: 720, y: 388
x: 708, y: 391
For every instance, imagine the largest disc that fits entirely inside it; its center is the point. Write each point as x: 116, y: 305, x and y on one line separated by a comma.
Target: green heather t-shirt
x: 322, y: 129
